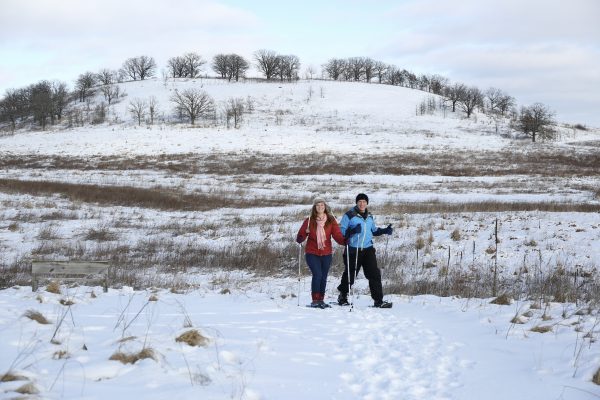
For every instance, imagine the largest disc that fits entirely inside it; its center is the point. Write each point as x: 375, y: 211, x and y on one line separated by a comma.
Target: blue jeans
x: 319, y: 266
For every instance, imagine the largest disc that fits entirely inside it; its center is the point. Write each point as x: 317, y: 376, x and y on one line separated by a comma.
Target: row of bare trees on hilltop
x: 45, y: 102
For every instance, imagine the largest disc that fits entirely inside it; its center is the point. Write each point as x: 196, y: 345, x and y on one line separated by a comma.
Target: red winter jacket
x: 331, y: 230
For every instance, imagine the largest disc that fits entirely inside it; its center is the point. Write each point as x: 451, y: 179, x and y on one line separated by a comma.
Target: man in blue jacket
x: 359, y: 227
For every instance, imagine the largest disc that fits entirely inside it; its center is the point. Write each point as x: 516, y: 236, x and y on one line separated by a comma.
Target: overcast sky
x: 544, y: 51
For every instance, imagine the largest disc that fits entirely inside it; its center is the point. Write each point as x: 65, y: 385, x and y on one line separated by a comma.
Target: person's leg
x: 325, y: 265
x: 343, y: 286
x: 314, y: 264
x: 372, y: 273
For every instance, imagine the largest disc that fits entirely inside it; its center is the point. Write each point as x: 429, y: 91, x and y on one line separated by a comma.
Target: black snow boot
x: 382, y: 304
x: 343, y: 299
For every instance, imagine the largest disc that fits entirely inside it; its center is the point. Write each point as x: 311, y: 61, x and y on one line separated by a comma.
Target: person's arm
x: 302, y: 234
x: 344, y: 224
x: 336, y: 233
x: 382, y: 231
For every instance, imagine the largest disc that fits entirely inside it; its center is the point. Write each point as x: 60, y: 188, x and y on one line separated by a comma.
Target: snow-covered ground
x: 261, y: 344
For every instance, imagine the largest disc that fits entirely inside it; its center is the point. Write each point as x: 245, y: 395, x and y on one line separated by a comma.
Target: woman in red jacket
x: 320, y: 227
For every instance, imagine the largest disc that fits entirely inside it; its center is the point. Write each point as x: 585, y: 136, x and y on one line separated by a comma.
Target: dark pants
x: 319, y: 266
x: 368, y: 261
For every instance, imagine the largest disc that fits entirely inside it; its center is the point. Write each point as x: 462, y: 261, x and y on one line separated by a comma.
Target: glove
x: 388, y: 230
x: 352, y: 231
x: 384, y: 231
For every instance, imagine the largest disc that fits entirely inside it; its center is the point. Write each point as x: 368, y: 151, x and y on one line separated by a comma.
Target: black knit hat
x: 362, y: 196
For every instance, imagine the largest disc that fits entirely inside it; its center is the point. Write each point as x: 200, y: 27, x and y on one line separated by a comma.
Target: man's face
x: 362, y: 205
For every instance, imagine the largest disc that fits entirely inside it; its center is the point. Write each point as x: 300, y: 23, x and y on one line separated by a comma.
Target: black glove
x: 384, y: 231
x: 352, y: 231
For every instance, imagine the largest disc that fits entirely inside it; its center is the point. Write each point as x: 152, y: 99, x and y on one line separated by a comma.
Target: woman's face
x: 320, y: 207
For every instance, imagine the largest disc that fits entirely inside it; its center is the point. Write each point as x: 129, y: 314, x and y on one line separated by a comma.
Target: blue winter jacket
x: 364, y: 239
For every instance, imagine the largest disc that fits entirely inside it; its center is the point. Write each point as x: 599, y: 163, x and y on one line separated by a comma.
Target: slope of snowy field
x: 303, y: 117
x: 261, y: 345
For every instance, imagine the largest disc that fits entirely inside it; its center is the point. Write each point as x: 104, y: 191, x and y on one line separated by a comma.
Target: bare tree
x: 152, y: 108
x: 410, y: 79
x: 137, y: 108
x: 193, y: 103
x: 177, y: 67
x: 356, y: 66
x: 84, y: 84
x: 141, y: 67
x: 60, y: 99
x: 368, y: 66
x: 14, y: 106
x: 424, y: 83
x: 234, y: 109
x: 107, y: 76
x: 237, y: 67
x: 230, y: 66
x: 454, y: 93
x: 493, y: 97
x: 267, y: 62
x: 506, y: 103
x: 380, y: 70
x: 536, y: 121
x: 470, y: 99
x: 334, y: 68
x: 437, y: 84
x: 110, y: 92
x: 220, y: 65
x: 288, y: 67
x: 193, y: 62
x: 310, y: 72
x: 393, y: 76
x: 40, y: 100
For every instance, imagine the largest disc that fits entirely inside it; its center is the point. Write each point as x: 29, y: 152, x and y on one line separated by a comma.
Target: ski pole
x: 348, y: 273
x: 299, y: 269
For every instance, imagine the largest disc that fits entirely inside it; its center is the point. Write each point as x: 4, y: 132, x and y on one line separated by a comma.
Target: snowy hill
x: 198, y: 224
x: 303, y: 117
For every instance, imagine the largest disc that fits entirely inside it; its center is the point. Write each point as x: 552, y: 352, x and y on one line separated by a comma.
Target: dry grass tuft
x: 542, y: 328
x: 60, y: 355
x: 66, y: 302
x: 53, y: 287
x: 37, y: 317
x: 11, y: 377
x: 225, y: 291
x: 28, y: 388
x: 455, y: 235
x: 596, y: 378
x: 503, y: 299
x: 193, y: 338
x: 126, y: 339
x: 153, y: 298
x: 546, y: 317
x: 132, y: 358
x: 518, y: 319
x: 100, y: 235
